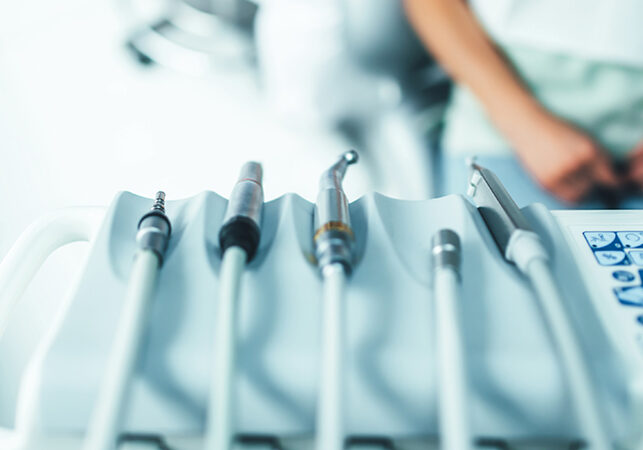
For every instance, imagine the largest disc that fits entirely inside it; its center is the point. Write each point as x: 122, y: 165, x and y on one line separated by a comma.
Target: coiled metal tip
x: 159, y: 202
x: 351, y: 157
x: 154, y: 228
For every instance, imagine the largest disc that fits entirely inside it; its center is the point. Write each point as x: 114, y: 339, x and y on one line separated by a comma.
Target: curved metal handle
x: 332, y: 204
x: 332, y: 178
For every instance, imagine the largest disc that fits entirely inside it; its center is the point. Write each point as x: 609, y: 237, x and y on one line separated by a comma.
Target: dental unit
x: 472, y: 323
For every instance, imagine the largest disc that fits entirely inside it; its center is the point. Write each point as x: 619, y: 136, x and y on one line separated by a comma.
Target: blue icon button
x: 637, y: 257
x: 599, y: 239
x: 632, y: 296
x: 611, y: 257
x: 631, y: 238
x: 623, y: 275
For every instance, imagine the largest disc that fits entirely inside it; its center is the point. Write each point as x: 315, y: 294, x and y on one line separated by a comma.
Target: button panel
x: 620, y: 248
x: 636, y: 257
x: 600, y: 239
x: 611, y: 258
x: 623, y: 276
x: 608, y: 248
x: 612, y: 262
x: 630, y: 295
x: 631, y: 239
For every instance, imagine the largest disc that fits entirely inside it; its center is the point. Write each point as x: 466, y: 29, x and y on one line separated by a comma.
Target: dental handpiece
x: 333, y: 238
x: 453, y: 404
x: 239, y: 239
x: 520, y: 245
x: 242, y: 220
x: 334, y: 246
x: 154, y: 231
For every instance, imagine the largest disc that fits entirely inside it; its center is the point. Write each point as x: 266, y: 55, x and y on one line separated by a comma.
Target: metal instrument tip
x: 351, y: 157
x: 159, y: 202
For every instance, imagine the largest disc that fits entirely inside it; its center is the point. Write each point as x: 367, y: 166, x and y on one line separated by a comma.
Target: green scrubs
x: 605, y: 100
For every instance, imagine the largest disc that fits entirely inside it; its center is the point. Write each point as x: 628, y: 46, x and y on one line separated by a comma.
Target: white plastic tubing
x: 24, y: 259
x: 330, y: 413
x: 526, y: 250
x: 221, y: 412
x: 36, y: 244
x: 105, y: 420
x: 580, y: 384
x: 455, y: 430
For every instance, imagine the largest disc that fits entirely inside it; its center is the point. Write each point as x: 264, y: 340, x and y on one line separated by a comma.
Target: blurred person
x: 558, y: 81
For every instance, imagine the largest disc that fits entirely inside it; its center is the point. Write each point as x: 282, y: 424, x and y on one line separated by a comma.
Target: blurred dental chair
x: 401, y: 137
x: 353, y: 66
x: 191, y: 36
x: 356, y: 66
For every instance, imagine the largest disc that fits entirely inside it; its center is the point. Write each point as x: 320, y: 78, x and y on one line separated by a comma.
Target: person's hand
x: 562, y: 159
x: 635, y: 166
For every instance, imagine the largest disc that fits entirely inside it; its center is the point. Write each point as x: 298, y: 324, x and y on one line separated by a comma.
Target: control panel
x: 608, y: 249
x: 621, y: 248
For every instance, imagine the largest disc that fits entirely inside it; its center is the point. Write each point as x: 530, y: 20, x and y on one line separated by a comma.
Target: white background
x: 80, y: 120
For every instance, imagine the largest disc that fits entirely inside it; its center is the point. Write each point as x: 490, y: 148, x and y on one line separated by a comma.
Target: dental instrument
x: 453, y: 404
x: 153, y: 234
x: 239, y: 239
x: 334, y: 246
x: 520, y: 245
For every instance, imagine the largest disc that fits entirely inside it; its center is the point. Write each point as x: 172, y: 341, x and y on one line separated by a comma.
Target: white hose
x: 221, y: 412
x: 330, y: 412
x: 526, y: 250
x: 455, y: 430
x: 36, y: 244
x: 105, y: 420
x: 576, y: 371
x: 27, y: 255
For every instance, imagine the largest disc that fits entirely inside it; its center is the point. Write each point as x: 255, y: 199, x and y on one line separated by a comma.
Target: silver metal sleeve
x: 332, y: 203
x: 331, y: 207
x: 154, y: 234
x: 446, y: 250
x: 247, y: 195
